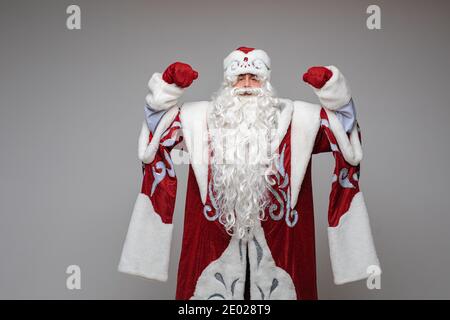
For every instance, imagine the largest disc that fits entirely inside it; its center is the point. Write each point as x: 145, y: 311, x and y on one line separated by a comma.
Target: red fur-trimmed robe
x: 282, y: 251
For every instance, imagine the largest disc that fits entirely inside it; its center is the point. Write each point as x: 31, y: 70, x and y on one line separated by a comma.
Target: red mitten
x: 317, y: 76
x: 181, y: 74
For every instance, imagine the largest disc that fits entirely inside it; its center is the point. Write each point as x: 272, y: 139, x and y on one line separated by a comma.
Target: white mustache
x: 244, y: 90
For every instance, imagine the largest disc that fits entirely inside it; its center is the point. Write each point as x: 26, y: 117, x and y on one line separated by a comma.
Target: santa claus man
x: 249, y: 223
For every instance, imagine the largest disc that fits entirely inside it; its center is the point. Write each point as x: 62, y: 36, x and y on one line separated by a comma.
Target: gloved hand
x: 180, y: 73
x: 317, y: 76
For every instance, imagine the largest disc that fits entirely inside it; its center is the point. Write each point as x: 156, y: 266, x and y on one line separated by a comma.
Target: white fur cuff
x: 352, y: 251
x: 335, y: 93
x: 146, y: 250
x: 162, y: 95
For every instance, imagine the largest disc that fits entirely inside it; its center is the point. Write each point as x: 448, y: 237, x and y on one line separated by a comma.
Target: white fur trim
x: 335, y: 93
x: 304, y: 128
x: 224, y: 278
x: 267, y: 280
x: 146, y: 250
x: 162, y: 95
x: 147, y: 150
x: 351, y: 148
x: 193, y: 116
x: 351, y: 245
x: 255, y: 62
x: 284, y: 120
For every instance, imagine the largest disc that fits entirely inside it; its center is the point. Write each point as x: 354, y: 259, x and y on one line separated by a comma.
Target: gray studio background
x: 71, y: 107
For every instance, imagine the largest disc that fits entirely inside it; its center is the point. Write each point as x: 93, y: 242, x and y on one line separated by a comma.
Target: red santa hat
x: 246, y: 60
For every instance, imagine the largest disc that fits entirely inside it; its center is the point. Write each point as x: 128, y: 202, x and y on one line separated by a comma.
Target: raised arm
x: 164, y: 92
x: 352, y: 251
x: 146, y: 250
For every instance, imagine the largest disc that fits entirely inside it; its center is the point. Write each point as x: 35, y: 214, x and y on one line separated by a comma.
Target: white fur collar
x: 287, y: 108
x: 193, y: 116
x: 305, y: 125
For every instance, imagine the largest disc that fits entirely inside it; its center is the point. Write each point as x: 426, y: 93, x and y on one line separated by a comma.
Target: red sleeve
x: 322, y: 143
x: 345, y: 176
x: 160, y: 181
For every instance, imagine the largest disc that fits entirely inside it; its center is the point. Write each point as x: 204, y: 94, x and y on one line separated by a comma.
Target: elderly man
x: 249, y: 225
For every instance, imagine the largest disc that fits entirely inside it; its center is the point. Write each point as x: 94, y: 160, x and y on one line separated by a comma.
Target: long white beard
x: 242, y: 129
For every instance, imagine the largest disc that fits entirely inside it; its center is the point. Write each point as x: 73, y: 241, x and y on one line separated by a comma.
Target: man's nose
x: 247, y: 81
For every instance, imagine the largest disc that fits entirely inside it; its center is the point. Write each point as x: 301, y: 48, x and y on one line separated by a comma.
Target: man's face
x: 247, y: 80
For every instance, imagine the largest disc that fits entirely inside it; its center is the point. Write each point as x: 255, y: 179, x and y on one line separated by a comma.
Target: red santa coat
x: 281, y: 252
